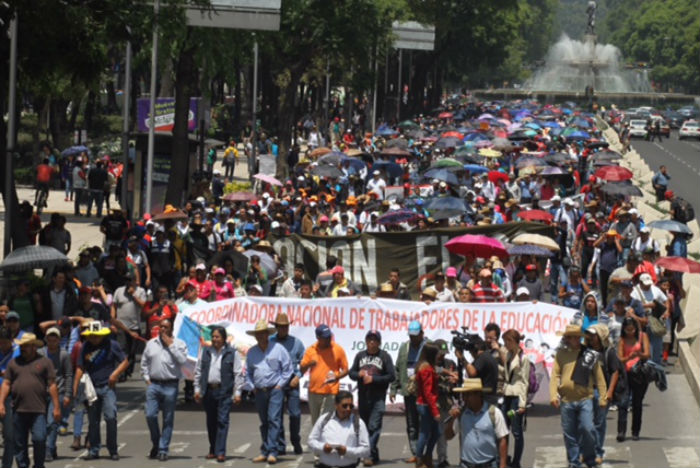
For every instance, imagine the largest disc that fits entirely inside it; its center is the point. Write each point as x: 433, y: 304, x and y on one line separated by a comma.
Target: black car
x: 690, y: 112
x: 674, y: 118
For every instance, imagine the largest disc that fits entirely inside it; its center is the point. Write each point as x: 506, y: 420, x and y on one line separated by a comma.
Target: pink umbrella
x: 240, y: 196
x: 268, y: 179
x: 476, y: 246
x: 679, y: 264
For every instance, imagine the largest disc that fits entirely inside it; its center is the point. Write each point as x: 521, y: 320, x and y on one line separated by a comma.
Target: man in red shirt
x: 485, y: 290
x: 44, y: 172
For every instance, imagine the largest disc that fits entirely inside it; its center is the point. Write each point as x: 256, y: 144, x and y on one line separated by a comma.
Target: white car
x: 638, y: 128
x: 689, y: 129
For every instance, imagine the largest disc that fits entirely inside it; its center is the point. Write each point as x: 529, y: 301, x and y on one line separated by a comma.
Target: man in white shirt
x: 656, y: 303
x: 377, y: 185
x: 340, y: 438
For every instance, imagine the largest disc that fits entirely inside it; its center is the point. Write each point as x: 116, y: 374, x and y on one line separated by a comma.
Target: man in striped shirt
x: 485, y: 290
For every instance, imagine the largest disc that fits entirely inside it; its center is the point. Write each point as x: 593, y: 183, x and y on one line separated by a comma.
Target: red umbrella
x: 536, y: 215
x: 476, y: 246
x: 453, y: 134
x: 495, y: 176
x: 240, y: 196
x: 445, y: 115
x: 680, y: 264
x: 613, y: 173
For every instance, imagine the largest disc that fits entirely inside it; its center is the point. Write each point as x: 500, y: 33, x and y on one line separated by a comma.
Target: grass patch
x: 657, y: 207
x: 696, y: 256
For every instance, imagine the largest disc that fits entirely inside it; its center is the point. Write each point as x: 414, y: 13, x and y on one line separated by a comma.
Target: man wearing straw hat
x: 575, y: 371
x: 268, y: 369
x: 482, y: 428
x: 30, y: 378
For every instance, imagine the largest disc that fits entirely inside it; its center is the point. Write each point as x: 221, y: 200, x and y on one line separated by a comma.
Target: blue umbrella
x: 579, y: 135
x: 475, y: 168
x: 385, y: 130
x: 442, y: 174
x: 446, y: 203
x: 391, y: 168
x: 396, y: 217
x: 354, y: 163
x: 530, y: 250
x: 75, y: 150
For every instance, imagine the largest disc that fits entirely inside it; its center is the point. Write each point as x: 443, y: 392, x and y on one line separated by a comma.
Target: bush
x: 24, y: 175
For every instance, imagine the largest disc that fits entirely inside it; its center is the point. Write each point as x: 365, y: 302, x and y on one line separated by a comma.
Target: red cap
x: 591, y: 179
x: 338, y: 269
x: 669, y: 194
x: 192, y: 284
x: 406, y: 185
x: 531, y: 267
x: 146, y: 216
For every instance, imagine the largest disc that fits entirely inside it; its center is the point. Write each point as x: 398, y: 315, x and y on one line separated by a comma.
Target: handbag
x: 656, y: 326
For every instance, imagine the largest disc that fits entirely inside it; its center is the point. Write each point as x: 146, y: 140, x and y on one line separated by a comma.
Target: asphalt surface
x: 669, y: 437
x: 682, y: 159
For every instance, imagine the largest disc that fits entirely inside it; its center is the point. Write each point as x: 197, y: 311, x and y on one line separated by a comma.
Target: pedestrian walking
x: 31, y: 379
x: 448, y: 376
x: 64, y: 380
x: 161, y: 368
x: 426, y: 400
x: 295, y: 348
x: 633, y: 350
x: 268, y: 369
x: 517, y: 378
x: 8, y: 351
x: 217, y: 377
x: 373, y: 370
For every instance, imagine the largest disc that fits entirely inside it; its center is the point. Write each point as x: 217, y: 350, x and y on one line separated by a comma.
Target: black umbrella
x: 396, y: 143
x: 606, y: 156
x: 625, y: 188
x: 240, y: 261
x: 325, y: 170
x: 448, y: 142
x: 333, y: 158
x: 557, y: 158
x: 446, y: 203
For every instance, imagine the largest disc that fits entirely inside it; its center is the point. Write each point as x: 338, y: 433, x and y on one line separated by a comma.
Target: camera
x: 465, y: 341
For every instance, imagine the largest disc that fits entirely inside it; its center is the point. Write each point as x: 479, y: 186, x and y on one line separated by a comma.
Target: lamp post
x: 11, y: 133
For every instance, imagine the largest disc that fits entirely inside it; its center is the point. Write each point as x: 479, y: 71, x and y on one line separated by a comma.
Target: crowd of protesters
x: 499, y: 162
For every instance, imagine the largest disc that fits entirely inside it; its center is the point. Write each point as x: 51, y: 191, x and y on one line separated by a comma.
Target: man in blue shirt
x: 8, y: 351
x: 295, y: 348
x: 268, y: 370
x: 660, y: 183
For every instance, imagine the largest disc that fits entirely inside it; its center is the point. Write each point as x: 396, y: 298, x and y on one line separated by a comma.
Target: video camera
x: 464, y: 341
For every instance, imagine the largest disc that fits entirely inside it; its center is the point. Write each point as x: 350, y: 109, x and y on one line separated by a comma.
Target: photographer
x: 484, y: 366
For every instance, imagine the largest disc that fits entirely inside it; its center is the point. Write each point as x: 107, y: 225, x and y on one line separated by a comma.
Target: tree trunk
x: 186, y: 73
x: 89, y: 112
x: 111, y: 97
x: 286, y: 119
x: 166, y: 80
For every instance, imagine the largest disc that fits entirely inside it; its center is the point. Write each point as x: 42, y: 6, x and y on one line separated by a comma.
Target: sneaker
x: 91, y: 456
x: 613, y: 407
x: 63, y: 431
x: 114, y: 457
x: 621, y: 437
x: 162, y: 457
x: 367, y: 462
x: 635, y: 436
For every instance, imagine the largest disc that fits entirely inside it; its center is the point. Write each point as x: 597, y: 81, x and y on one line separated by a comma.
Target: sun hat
x: 602, y: 331
x: 29, y: 339
x: 571, y: 330
x: 95, y: 328
x: 261, y: 326
x: 282, y: 319
x: 429, y: 292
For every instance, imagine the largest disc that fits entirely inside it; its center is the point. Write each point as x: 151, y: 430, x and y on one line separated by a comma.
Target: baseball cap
x: 441, y: 345
x: 338, y: 269
x: 415, y: 328
x: 373, y: 334
x: 645, y: 279
x: 201, y: 266
x: 376, y: 173
x: 323, y: 331
x: 522, y: 291
x: 219, y: 271
x: 555, y: 198
x: 53, y: 331
x: 451, y: 272
x: 569, y: 201
x: 275, y: 225
x: 644, y: 230
x: 668, y: 194
x: 531, y: 267
x: 12, y: 315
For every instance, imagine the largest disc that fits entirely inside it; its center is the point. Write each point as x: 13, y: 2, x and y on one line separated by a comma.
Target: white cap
x: 644, y: 230
x: 633, y: 211
x: 312, y: 204
x: 251, y: 212
x: 200, y: 266
x: 263, y: 212
x: 443, y: 184
x: 569, y: 201
x: 209, y: 210
x: 435, y: 181
x: 376, y: 173
x: 217, y: 172
x: 201, y: 200
x: 265, y: 195
x: 645, y: 279
x: 275, y: 224
x: 522, y: 290
x: 257, y: 287
x: 300, y: 178
x: 344, y: 290
x: 555, y: 198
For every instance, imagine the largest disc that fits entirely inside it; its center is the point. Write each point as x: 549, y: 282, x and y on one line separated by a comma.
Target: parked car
x: 638, y: 128
x: 690, y: 112
x: 690, y: 129
x: 674, y: 118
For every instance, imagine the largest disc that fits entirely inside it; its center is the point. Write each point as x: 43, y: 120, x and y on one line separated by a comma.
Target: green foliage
x: 232, y: 187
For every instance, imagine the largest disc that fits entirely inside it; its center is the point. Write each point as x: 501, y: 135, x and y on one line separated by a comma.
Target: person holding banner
x: 217, y: 376
x: 268, y: 369
x: 295, y: 348
x: 373, y: 369
x: 409, y: 351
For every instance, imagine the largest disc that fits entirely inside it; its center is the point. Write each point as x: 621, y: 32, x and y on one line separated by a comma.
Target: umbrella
x: 445, y: 115
x: 319, y: 152
x: 446, y: 163
x: 476, y: 246
x: 240, y: 261
x: 597, y: 144
x: 557, y: 158
x: 396, y: 151
x: 446, y: 214
x: 408, y: 124
x: 530, y: 161
x: 268, y: 179
x: 448, y: 142
x: 552, y: 171
x: 495, y: 176
x: 475, y: 168
x: 578, y: 135
x: 606, y: 155
x: 442, y: 174
x: 325, y: 170
x: 170, y: 213
x: 353, y: 162
x: 396, y: 217
x: 536, y: 215
x: 679, y: 264
x: 31, y: 257
x: 267, y: 262
x: 670, y: 226
x: 530, y: 250
x: 536, y: 239
x: 452, y: 134
x: 333, y: 158
x: 613, y: 173
x: 75, y: 150
x: 386, y: 131
x: 490, y: 153
x: 391, y: 168
x: 240, y: 196
x: 401, y: 143
x: 446, y: 203
x: 214, y: 142
x: 625, y: 188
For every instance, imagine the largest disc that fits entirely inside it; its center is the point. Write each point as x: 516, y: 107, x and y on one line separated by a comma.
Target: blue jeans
x: 428, y: 433
x: 52, y: 432
x: 657, y: 347
x: 106, y: 407
x: 579, y: 431
x: 291, y: 395
x: 372, y: 413
x: 217, y: 406
x: 78, y: 420
x: 24, y: 423
x: 557, y: 272
x: 269, y: 406
x: 161, y: 397
x: 516, y: 428
x: 601, y: 425
x: 8, y: 435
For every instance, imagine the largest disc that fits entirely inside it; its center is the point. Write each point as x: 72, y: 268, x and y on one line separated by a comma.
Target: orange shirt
x: 329, y: 359
x: 43, y: 173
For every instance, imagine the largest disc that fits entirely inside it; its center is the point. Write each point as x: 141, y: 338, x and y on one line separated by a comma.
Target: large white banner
x: 350, y: 318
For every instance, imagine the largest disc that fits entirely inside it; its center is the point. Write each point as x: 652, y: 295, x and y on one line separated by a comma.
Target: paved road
x: 681, y: 157
x: 670, y: 436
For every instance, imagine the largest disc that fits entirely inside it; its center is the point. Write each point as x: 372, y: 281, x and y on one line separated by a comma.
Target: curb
x: 690, y: 365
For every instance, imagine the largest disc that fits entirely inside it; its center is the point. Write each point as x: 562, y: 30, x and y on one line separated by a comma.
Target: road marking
x: 677, y: 158
x: 617, y: 457
x: 681, y: 457
x: 242, y: 449
x: 127, y: 416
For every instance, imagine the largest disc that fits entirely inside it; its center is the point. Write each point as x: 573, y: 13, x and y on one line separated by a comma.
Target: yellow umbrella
x: 536, y: 239
x: 490, y: 153
x: 527, y: 170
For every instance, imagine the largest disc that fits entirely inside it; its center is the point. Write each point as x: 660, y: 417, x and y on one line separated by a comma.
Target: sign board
x: 413, y: 35
x: 165, y: 114
x: 262, y: 15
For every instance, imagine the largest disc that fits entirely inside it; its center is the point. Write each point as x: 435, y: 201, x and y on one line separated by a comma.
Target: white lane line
x: 618, y: 456
x: 127, y: 416
x: 241, y: 449
x: 678, y: 158
x: 681, y: 457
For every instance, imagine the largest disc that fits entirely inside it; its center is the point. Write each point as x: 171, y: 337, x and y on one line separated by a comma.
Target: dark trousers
x: 293, y: 404
x: 635, y: 399
x: 411, y: 409
x: 515, y: 424
x: 24, y: 424
x: 217, y: 406
x: 604, y: 276
x: 372, y: 413
x: 78, y: 198
x: 97, y: 197
x: 230, y: 166
x: 130, y: 348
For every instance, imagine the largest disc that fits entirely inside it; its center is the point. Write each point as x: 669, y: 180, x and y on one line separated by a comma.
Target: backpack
x: 532, y: 383
x: 355, y: 423
x: 684, y: 211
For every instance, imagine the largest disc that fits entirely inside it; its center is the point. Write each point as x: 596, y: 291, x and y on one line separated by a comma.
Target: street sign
x: 413, y: 35
x: 260, y: 15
